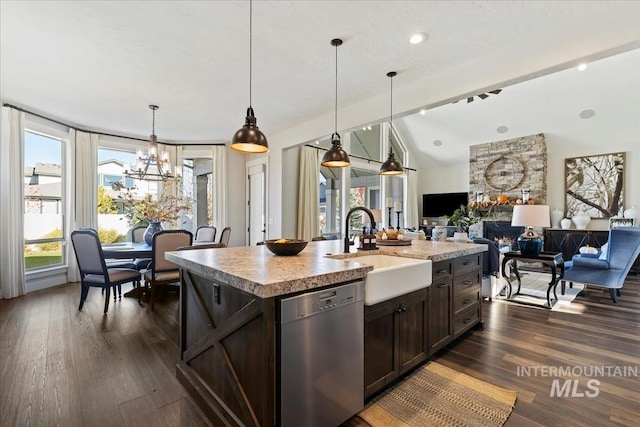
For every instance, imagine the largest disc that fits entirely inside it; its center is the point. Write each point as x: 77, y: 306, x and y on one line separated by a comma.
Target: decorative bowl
x: 285, y: 247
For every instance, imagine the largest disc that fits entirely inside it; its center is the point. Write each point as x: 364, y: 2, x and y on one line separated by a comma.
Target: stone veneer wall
x: 530, y: 150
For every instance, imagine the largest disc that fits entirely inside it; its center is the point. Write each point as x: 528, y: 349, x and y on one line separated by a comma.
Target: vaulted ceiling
x: 99, y: 64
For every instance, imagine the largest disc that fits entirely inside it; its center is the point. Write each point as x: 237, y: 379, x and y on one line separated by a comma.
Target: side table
x: 551, y: 259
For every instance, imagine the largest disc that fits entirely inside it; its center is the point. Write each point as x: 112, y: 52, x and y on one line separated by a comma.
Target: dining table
x: 128, y: 250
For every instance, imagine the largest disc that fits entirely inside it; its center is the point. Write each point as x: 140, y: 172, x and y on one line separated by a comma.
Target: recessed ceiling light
x: 437, y: 143
x: 502, y: 129
x: 417, y: 38
x: 317, y: 142
x: 587, y: 114
x: 582, y: 67
x: 423, y: 112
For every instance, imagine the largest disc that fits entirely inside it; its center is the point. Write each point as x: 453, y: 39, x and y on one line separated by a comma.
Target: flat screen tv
x: 436, y: 205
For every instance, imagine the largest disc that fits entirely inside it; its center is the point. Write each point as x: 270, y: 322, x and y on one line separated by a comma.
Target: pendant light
x: 391, y: 166
x: 154, y: 165
x: 249, y: 138
x: 336, y: 157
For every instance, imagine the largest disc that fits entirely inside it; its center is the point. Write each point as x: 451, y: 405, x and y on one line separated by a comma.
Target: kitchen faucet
x: 346, y: 228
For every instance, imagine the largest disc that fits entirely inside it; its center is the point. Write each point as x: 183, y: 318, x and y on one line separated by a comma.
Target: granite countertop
x: 256, y: 270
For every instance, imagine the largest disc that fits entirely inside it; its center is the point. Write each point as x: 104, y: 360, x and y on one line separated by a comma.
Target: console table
x: 553, y: 260
x: 569, y: 242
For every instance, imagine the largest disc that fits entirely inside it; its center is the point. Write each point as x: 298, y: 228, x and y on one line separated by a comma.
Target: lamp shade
x: 377, y: 216
x: 249, y: 138
x: 530, y: 242
x: 531, y: 216
x: 336, y: 157
x: 391, y: 166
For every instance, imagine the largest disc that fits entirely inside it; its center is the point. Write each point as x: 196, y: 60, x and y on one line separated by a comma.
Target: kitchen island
x: 229, y: 361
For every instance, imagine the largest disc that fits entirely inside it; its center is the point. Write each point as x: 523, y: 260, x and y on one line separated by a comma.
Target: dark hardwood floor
x: 62, y: 367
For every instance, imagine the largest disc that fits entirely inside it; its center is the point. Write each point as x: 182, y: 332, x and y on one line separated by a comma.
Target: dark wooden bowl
x: 291, y: 247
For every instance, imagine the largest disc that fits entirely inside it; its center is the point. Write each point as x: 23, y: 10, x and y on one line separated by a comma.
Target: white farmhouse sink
x: 393, y: 276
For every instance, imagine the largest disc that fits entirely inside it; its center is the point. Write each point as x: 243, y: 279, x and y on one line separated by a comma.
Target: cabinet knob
x: 467, y: 301
x: 467, y: 282
x: 443, y: 285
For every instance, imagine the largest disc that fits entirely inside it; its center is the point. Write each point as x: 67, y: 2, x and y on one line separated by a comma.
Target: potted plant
x: 165, y: 208
x: 461, y: 218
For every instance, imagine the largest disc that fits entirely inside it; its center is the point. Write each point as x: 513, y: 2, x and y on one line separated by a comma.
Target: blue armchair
x: 610, y: 268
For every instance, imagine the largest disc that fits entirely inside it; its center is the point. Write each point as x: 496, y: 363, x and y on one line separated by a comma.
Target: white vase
x: 581, y: 220
x: 556, y: 216
x: 565, y: 224
x: 632, y: 213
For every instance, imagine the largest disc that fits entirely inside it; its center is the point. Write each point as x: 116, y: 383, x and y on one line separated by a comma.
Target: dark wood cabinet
x: 440, y: 306
x: 395, y: 338
x: 454, y: 299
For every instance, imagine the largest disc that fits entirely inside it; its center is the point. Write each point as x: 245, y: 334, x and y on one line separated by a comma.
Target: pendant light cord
x: 153, y: 122
x: 336, y: 103
x: 391, y: 75
x: 250, y: 46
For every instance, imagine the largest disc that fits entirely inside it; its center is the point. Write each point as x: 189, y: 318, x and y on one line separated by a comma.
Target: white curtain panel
x: 219, y: 184
x: 11, y: 213
x: 83, y: 152
x: 412, y: 219
x: 308, y: 194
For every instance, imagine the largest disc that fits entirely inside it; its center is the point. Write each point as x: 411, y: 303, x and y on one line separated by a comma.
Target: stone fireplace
x: 492, y: 168
x: 497, y: 230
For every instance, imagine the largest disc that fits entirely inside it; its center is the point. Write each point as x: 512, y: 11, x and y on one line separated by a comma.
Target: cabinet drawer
x: 441, y: 269
x: 465, y: 283
x: 466, y: 300
x: 466, y: 319
x: 466, y: 263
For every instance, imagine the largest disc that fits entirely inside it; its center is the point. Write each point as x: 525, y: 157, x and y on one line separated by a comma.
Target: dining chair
x: 116, y: 263
x: 137, y: 236
x: 93, y: 268
x: 162, y: 272
x: 205, y: 233
x: 224, y: 236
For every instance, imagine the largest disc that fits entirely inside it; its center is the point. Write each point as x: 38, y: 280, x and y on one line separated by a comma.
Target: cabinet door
x: 380, y: 332
x: 412, y: 330
x: 439, y: 313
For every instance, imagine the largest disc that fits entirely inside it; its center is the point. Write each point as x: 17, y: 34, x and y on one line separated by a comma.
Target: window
x: 366, y: 143
x: 112, y: 224
x: 43, y: 201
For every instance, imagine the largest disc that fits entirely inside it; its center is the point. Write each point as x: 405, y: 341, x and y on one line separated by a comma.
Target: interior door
x: 256, y: 203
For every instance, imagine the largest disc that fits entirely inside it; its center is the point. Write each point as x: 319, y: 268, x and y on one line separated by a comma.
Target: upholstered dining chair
x: 137, y: 236
x: 93, y: 268
x: 116, y: 263
x: 225, y: 235
x: 162, y: 272
x: 205, y: 233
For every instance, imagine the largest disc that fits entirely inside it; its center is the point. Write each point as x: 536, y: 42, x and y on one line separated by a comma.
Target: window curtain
x: 172, y: 187
x: 308, y: 194
x: 219, y: 187
x: 412, y: 219
x: 12, y: 276
x: 82, y: 154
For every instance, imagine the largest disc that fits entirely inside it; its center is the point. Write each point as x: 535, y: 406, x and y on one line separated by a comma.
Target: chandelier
x: 154, y: 165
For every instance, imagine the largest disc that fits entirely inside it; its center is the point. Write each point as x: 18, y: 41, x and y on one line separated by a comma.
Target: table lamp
x: 377, y: 216
x: 530, y: 242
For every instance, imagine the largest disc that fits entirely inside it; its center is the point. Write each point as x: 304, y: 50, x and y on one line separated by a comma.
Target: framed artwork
x: 594, y: 185
x: 620, y: 222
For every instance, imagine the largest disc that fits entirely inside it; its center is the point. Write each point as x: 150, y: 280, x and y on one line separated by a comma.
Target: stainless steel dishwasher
x: 322, y: 356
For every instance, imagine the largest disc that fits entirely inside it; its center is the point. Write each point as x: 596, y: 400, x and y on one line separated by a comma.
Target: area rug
x: 535, y: 285
x: 439, y: 396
